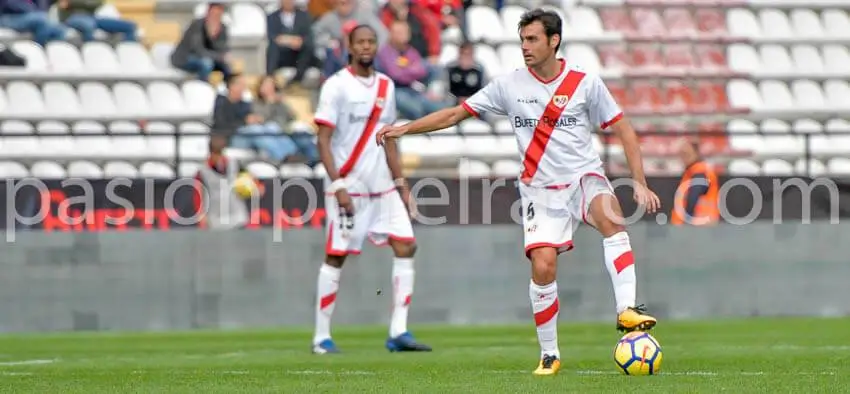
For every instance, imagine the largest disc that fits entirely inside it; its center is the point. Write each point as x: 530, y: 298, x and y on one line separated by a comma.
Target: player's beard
x: 366, y: 63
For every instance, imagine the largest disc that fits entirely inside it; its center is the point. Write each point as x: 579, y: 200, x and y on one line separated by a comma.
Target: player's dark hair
x: 550, y: 20
x: 355, y: 29
x: 231, y: 79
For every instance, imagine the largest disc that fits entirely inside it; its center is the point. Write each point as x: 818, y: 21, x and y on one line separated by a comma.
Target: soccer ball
x: 245, y: 186
x: 638, y: 353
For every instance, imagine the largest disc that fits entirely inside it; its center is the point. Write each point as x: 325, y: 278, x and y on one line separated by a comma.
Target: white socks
x: 544, y: 304
x: 402, y: 292
x: 621, y: 266
x: 327, y: 287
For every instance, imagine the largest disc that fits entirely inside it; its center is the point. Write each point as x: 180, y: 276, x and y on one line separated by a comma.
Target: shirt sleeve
x: 487, y: 100
x: 326, y: 112
x: 604, y: 110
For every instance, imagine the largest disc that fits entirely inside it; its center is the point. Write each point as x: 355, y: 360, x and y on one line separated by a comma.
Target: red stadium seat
x: 677, y: 97
x: 711, y: 56
x: 680, y: 22
x: 679, y: 56
x: 616, y: 19
x: 710, y: 97
x: 647, y: 56
x: 619, y: 93
x: 645, y: 97
x: 649, y: 23
x: 714, y: 143
x: 711, y: 21
x: 614, y: 56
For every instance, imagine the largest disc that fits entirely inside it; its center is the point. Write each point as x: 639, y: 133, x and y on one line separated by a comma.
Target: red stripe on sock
x: 625, y: 260
x: 407, y: 300
x: 327, y: 300
x: 543, y: 317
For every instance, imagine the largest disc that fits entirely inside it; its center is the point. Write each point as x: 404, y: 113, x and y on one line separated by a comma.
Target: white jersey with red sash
x: 554, y: 122
x: 357, y: 107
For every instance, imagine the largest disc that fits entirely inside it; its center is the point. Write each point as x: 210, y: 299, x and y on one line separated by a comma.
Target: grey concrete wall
x: 472, y: 274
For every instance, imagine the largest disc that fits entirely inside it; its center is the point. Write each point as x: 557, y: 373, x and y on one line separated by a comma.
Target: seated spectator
x: 269, y: 104
x: 336, y: 57
x: 328, y: 29
x: 79, y: 15
x: 410, y: 73
x: 29, y: 16
x: 290, y: 40
x: 203, y: 47
x: 424, y: 27
x: 450, y: 13
x: 466, y: 76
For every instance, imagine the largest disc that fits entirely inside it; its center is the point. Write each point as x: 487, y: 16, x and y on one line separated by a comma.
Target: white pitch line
x: 27, y: 362
x: 673, y: 373
x: 326, y: 372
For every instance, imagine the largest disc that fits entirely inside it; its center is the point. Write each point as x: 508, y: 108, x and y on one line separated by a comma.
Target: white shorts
x: 379, y: 217
x: 551, y: 216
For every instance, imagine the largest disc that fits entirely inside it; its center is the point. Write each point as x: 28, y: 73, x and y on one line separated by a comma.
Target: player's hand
x: 648, y: 198
x: 389, y: 132
x: 344, y: 201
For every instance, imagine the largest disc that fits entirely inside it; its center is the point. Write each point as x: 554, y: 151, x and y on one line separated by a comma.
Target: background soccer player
x: 365, y: 192
x: 554, y: 108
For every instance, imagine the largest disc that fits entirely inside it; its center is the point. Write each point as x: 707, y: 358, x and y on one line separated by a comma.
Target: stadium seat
x: 837, y: 166
x: 806, y: 23
x: 510, y: 56
x: 28, y: 100
x: 583, y: 22
x: 486, y: 56
x: 156, y: 170
x: 585, y: 56
x: 33, y: 53
x: 13, y: 170
x: 194, y: 147
x: 54, y: 138
x: 837, y: 94
x: 448, y: 54
x: 812, y: 167
x: 648, y: 57
x: 131, y: 99
x: 319, y: 171
x: 679, y: 23
x: 711, y: 57
x: 808, y: 95
x: 742, y: 23
x: 249, y: 20
x: 777, y: 167
x: 474, y: 126
x: 161, y: 55
x: 807, y: 60
x: 47, y: 169
x: 262, y: 170
x: 159, y: 142
x: 774, y: 24
x: 743, y: 94
x: 506, y: 168
x: 836, y: 59
x: 64, y: 57
x: 61, y: 99
x: 612, y: 56
x: 836, y: 23
x: 510, y: 21
x: 837, y: 126
x: 776, y: 96
x: 679, y: 57
x: 743, y: 167
x: 711, y: 22
x: 90, y: 139
x: 743, y: 58
x: 617, y: 19
x: 188, y: 169
x: 18, y: 139
x: 296, y: 171
x: 84, y: 169
x: 124, y: 127
x: 472, y: 169
x: 97, y: 100
x: 484, y: 24
x: 133, y: 58
x: 98, y: 57
x: 199, y: 97
x: 807, y: 126
x: 194, y: 128
x: 168, y: 100
x: 120, y: 169
x: 775, y: 59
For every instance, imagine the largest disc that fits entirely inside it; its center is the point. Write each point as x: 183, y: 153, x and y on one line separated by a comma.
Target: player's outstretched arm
x: 436, y: 121
x: 631, y: 147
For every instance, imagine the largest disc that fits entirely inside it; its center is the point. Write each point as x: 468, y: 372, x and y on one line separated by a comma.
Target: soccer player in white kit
x: 554, y: 108
x: 366, y: 195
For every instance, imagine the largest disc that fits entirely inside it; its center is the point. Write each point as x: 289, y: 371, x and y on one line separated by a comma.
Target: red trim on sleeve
x: 613, y: 120
x: 469, y: 109
x: 322, y: 122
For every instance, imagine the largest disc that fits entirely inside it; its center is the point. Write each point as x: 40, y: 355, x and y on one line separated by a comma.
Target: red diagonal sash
x: 546, y: 124
x: 371, y: 122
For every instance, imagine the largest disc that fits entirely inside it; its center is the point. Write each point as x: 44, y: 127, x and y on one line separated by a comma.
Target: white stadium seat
x: 131, y: 99
x: 18, y: 140
x: 583, y: 22
x: 194, y: 147
x: 28, y: 100
x: 13, y: 170
x: 473, y: 169
x: 474, y: 126
x: 249, y: 20
x: 815, y: 168
x: 777, y: 167
x: 296, y: 170
x: 54, y: 138
x: 743, y: 167
x: 510, y: 57
x: 775, y: 59
x: 742, y: 23
x: 743, y: 94
x: 743, y: 58
x: 837, y: 126
x: 120, y: 169
x: 319, y: 171
x: 33, y: 53
x: 96, y: 99
x: 188, y: 169
x: 807, y: 60
x: 124, y: 127
x: 836, y: 58
x: 194, y: 128
x: 836, y: 166
x: 483, y: 24
x: 776, y: 96
x: 99, y: 57
x: 133, y: 58
x: 806, y: 23
x: 156, y: 170
x: 774, y: 24
x: 161, y: 55
x: 262, y: 170
x: 61, y: 99
x: 46, y: 169
x: 506, y: 168
x: 199, y: 97
x: 84, y: 169
x: 585, y: 56
x: 64, y: 57
x: 3, y: 101
x: 837, y: 94
x: 486, y: 56
x: 808, y: 94
x: 511, y: 15
x: 807, y: 126
x: 836, y: 23
x: 107, y: 11
x: 448, y: 54
x: 165, y: 98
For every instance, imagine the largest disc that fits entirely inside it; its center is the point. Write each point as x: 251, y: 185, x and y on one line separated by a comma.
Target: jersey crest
x: 560, y: 100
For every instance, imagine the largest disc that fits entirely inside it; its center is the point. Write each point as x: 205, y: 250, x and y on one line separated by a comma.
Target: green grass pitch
x: 737, y: 356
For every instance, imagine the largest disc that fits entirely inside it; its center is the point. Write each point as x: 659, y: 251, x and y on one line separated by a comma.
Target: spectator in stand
x: 29, y: 16
x: 327, y: 31
x: 466, y: 76
x: 450, y: 13
x: 410, y: 73
x: 204, y: 45
x: 336, y: 57
x: 424, y: 27
x: 79, y: 15
x: 290, y: 40
x: 269, y: 104
x: 233, y: 118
